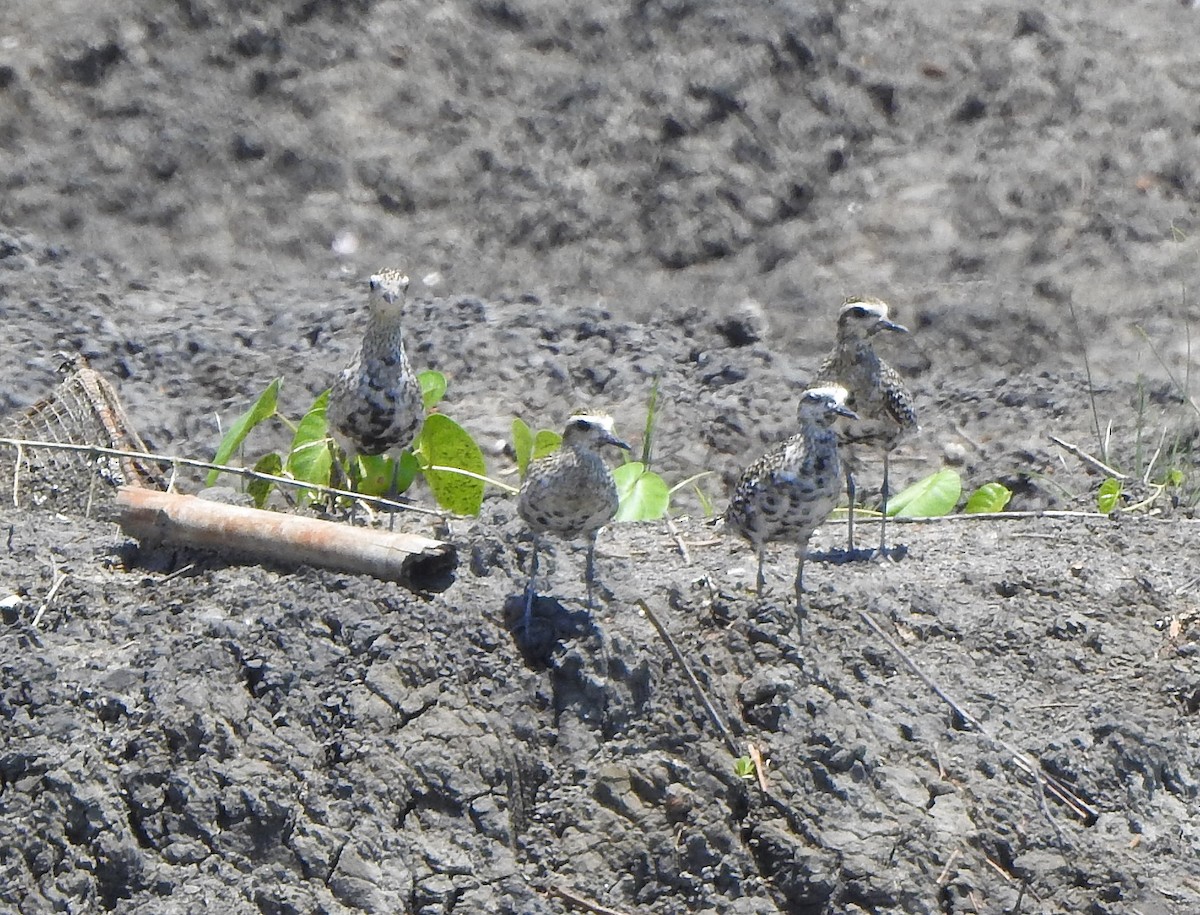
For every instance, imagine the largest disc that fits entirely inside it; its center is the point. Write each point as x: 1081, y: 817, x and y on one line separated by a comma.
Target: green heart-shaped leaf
x: 446, y: 445
x: 433, y: 388
x: 932, y: 497
x: 522, y: 437
x: 990, y: 497
x: 643, y: 493
x: 544, y: 443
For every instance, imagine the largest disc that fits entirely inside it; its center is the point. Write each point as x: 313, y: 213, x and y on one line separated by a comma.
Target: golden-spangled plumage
x: 571, y: 493
x: 375, y: 406
x: 790, y: 490
x: 876, y: 393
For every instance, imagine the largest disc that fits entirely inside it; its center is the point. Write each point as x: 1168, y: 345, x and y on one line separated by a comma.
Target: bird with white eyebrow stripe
x: 789, y: 491
x: 571, y: 493
x: 876, y: 393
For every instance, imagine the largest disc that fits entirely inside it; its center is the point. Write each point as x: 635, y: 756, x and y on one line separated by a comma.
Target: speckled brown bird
x: 375, y: 406
x: 790, y: 490
x: 571, y: 493
x: 876, y: 393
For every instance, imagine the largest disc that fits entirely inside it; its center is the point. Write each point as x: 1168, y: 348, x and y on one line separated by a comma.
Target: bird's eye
x: 857, y: 312
x: 374, y: 284
x: 579, y: 424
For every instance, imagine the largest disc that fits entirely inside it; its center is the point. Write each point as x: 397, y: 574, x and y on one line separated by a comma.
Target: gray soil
x: 589, y: 196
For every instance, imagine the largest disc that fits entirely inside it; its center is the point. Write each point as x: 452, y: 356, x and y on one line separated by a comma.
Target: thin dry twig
x: 679, y: 544
x: 1188, y: 586
x: 945, y: 874
x: 16, y: 487
x: 178, y: 573
x: 995, y: 865
x: 1154, y: 458
x: 1045, y: 783
x: 760, y: 768
x: 581, y: 902
x: 962, y: 433
x: 59, y: 578
x: 1030, y: 516
x: 1088, y: 458
x: 713, y: 715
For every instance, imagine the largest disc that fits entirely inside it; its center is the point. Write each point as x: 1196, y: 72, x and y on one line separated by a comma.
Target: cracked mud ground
x: 588, y: 196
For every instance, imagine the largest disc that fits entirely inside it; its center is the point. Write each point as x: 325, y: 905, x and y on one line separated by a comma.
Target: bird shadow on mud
x: 840, y: 556
x: 552, y: 622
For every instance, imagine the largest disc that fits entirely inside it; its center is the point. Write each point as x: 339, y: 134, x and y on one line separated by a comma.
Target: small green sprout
x: 743, y: 768
x: 1109, y: 495
x: 529, y: 446
x: 644, y: 495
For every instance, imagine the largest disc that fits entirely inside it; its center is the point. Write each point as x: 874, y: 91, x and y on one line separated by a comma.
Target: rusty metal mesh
x: 84, y: 412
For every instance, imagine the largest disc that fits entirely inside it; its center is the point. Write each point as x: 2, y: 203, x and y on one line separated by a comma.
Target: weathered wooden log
x: 284, y: 540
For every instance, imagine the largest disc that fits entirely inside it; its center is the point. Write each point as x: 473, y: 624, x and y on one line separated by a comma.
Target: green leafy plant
x: 310, y: 458
x: 938, y: 494
x: 444, y: 453
x: 1162, y: 456
x: 433, y: 388
x: 644, y: 495
x: 743, y: 767
x: 271, y: 464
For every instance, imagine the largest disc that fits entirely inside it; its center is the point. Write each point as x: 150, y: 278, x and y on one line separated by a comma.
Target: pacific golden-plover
x: 571, y: 493
x: 790, y: 490
x: 375, y: 406
x: 876, y: 393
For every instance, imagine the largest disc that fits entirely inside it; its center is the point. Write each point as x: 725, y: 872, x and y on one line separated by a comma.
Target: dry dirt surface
x: 589, y: 196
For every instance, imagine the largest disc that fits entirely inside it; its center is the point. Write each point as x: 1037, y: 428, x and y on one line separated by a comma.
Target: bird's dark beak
x: 610, y: 439
x: 843, y: 410
x: 889, y: 325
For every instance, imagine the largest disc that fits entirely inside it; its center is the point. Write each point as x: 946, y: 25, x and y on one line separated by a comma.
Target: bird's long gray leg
x: 801, y: 610
x: 883, y: 517
x: 762, y: 579
x: 350, y: 471
x: 851, y: 491
x: 590, y: 572
x: 530, y: 593
x: 393, y: 493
